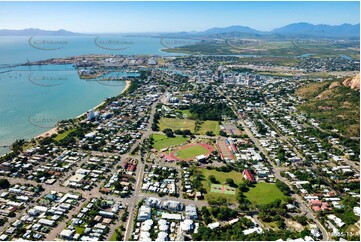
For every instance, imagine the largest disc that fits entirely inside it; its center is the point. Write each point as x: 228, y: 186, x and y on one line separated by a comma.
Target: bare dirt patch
x: 293, y: 224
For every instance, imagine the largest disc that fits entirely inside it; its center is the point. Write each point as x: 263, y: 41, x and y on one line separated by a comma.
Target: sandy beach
x: 127, y: 85
x: 48, y: 133
x: 55, y: 129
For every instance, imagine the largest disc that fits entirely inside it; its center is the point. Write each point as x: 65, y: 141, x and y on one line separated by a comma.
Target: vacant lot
x: 191, y: 152
x: 264, y: 193
x: 162, y: 141
x: 209, y: 126
x: 175, y: 123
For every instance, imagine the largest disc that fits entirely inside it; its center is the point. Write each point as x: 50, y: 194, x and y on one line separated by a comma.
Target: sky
x: 133, y: 17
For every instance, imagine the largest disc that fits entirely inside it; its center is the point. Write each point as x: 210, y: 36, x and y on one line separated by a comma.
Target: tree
x: 350, y: 202
x: 212, y: 179
x: 230, y: 182
x: 206, y: 215
x: 124, y: 216
x: 11, y: 214
x: 216, y: 200
x: 283, y: 187
x: 155, y: 127
x: 222, y: 133
x: 210, y: 133
x: 281, y: 154
x: 39, y: 188
x: 243, y: 187
x: 223, y: 212
x: 118, y: 237
x: 168, y: 132
x: 4, y: 183
x: 301, y: 219
x: 209, y: 111
x: 281, y: 223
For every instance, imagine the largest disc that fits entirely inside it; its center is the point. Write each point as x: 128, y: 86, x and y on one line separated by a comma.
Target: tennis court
x: 217, y: 188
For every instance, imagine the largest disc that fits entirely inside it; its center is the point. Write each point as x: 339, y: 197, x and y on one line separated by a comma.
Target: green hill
x: 334, y: 105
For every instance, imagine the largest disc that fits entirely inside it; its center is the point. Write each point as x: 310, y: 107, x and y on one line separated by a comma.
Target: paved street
x: 139, y: 176
x: 276, y: 172
x: 132, y: 201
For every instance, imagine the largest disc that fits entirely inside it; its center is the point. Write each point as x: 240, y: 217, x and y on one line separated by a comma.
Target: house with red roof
x: 131, y: 167
x: 248, y: 175
x: 124, y: 165
x: 317, y: 205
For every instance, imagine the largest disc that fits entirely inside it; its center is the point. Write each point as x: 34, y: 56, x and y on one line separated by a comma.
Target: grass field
x: 185, y: 113
x: 63, y: 135
x: 191, y: 152
x: 264, y: 193
x: 162, y: 141
x: 209, y: 126
x: 221, y: 177
x: 174, y: 124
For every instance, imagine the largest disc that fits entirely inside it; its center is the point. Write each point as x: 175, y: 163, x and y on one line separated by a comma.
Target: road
x: 276, y: 171
x: 139, y: 176
x: 138, y: 195
x: 132, y: 201
x: 353, y: 164
x: 281, y: 136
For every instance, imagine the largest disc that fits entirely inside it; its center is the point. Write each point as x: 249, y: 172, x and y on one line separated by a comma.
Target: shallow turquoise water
x: 34, y: 98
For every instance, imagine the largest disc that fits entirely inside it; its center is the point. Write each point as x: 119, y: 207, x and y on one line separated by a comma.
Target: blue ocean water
x: 34, y: 98
x: 17, y: 50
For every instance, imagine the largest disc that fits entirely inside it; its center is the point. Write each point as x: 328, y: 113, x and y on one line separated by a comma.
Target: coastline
x: 55, y: 129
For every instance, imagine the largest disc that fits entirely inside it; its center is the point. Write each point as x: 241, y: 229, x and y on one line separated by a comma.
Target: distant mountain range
x: 296, y: 30
x: 320, y: 30
x: 230, y: 29
x: 37, y: 32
